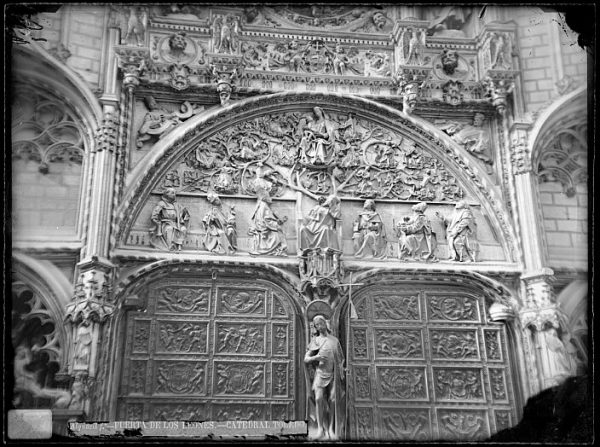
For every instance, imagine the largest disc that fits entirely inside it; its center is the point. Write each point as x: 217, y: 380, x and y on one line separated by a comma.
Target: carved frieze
x: 364, y: 423
x: 280, y: 379
x: 239, y: 412
x: 396, y: 307
x: 183, y: 300
x: 493, y: 348
x: 402, y: 424
x: 134, y: 412
x: 181, y: 337
x: 137, y: 377
x: 317, y: 152
x: 180, y: 377
x: 141, y: 336
x: 452, y: 308
x: 454, y: 344
x: 241, y: 302
x: 362, y: 382
x: 239, y: 379
x: 464, y: 425
x: 240, y: 338
x: 280, y: 339
x: 498, y: 384
x: 179, y: 412
x: 458, y: 384
x: 398, y: 343
x: 402, y: 383
x: 359, y: 343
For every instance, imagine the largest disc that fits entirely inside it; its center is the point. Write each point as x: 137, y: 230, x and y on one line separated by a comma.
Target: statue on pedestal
x: 325, y: 352
x: 461, y: 233
x: 220, y: 235
x: 318, y: 230
x: 416, y: 239
x: 268, y: 236
x: 369, y: 236
x: 170, y: 219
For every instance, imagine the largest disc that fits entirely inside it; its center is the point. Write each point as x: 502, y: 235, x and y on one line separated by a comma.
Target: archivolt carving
x: 44, y: 131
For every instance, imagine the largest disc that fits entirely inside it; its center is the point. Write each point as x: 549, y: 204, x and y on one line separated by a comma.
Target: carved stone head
x: 478, y: 119
x: 461, y: 204
x: 224, y: 89
x: 449, y: 61
x: 369, y: 205
x: 379, y: 19
x: 169, y: 195
x: 320, y: 324
x: 150, y: 102
x: 177, y: 43
x: 419, y: 207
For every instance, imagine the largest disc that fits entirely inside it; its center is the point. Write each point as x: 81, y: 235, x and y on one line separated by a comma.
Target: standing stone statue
x: 325, y: 352
x: 219, y: 231
x: 461, y: 233
x: 369, y: 236
x: 170, y: 219
x: 319, y: 229
x: 416, y: 239
x: 268, y: 237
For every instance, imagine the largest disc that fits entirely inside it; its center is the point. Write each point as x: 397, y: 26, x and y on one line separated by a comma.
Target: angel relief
x: 316, y: 152
x: 412, y: 47
x: 226, y: 32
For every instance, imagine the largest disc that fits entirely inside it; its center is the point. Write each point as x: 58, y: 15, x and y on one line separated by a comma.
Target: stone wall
x: 566, y: 224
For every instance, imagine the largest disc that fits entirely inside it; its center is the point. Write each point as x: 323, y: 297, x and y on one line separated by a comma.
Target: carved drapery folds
x: 564, y: 159
x: 44, y: 131
x: 416, y: 239
x: 461, y: 233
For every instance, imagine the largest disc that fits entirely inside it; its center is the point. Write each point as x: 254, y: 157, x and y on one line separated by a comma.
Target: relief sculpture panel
x: 448, y: 344
x: 399, y: 343
x: 452, y: 308
x: 246, y: 302
x: 183, y: 300
x: 180, y: 377
x: 458, y: 384
x: 402, y: 383
x: 235, y: 379
x: 410, y: 425
x: 240, y: 338
x: 464, y: 425
x: 181, y: 336
x: 396, y: 307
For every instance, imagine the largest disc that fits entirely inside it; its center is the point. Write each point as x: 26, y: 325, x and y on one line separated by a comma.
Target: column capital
x: 133, y: 61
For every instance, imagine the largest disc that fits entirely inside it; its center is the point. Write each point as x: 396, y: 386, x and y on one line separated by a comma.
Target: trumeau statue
x: 170, y: 219
x: 416, y: 239
x: 219, y: 231
x: 369, y: 235
x: 327, y: 356
x: 461, y: 233
x: 318, y: 229
x: 266, y: 229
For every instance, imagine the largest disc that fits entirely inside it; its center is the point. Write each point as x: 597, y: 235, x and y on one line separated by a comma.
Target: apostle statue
x: 319, y: 229
x: 461, y: 233
x: 325, y: 353
x: 369, y: 234
x: 219, y: 231
x: 416, y: 239
x: 266, y: 228
x: 170, y: 220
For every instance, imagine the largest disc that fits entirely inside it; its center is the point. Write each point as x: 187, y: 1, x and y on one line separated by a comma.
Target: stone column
x: 88, y: 314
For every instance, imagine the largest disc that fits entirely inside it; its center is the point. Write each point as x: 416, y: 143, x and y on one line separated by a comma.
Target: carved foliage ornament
x: 45, y: 132
x: 316, y: 153
x: 564, y: 160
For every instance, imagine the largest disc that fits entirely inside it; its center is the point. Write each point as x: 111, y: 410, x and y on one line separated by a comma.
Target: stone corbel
x: 321, y: 273
x: 225, y: 71
x: 409, y: 81
x: 539, y: 288
x: 133, y: 61
x: 497, y: 85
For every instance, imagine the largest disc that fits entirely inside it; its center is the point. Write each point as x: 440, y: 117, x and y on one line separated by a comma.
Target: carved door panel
x: 426, y: 365
x: 210, y: 351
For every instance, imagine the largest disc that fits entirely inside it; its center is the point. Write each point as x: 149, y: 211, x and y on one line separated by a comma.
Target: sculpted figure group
x: 318, y: 233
